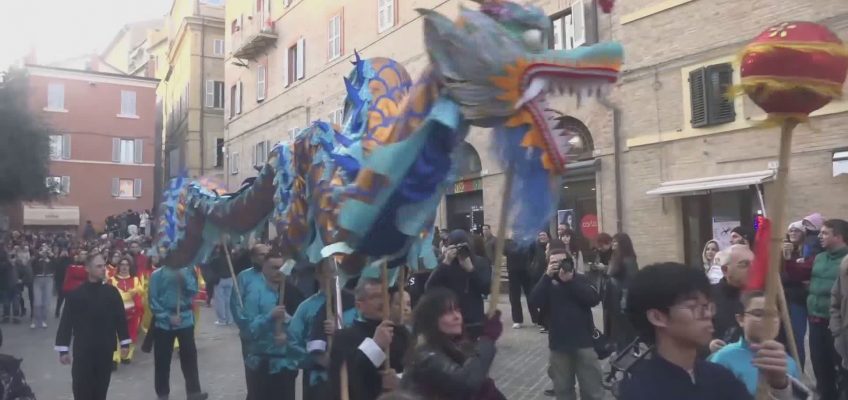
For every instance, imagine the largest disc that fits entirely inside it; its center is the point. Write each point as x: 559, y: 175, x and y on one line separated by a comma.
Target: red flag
x: 759, y: 269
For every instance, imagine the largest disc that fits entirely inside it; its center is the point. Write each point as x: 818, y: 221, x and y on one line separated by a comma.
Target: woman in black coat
x: 623, y: 267
x: 441, y: 367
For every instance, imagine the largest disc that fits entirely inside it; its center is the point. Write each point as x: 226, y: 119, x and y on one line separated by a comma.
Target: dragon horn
x: 358, y: 59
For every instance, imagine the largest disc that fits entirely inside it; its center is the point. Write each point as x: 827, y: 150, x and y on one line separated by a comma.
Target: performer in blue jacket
x: 270, y: 362
x: 170, y: 297
x: 301, y: 335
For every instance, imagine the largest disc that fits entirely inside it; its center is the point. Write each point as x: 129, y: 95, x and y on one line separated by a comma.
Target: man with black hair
x: 670, y: 307
x: 742, y: 235
x: 570, y: 298
x: 826, y: 362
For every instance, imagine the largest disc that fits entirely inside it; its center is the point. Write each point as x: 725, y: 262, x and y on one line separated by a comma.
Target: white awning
x: 54, y: 216
x: 689, y: 187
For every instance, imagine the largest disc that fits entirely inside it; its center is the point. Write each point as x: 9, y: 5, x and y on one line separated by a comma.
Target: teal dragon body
x: 370, y: 188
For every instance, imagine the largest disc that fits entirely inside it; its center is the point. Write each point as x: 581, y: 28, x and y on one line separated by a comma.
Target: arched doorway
x: 578, y: 205
x: 464, y: 201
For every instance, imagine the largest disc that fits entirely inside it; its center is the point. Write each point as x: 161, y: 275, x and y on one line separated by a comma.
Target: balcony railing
x: 255, y: 35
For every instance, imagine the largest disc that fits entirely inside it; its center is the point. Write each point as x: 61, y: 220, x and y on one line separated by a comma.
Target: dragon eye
x: 533, y: 39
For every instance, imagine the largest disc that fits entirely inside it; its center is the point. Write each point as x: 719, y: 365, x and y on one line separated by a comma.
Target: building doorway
x: 713, y: 216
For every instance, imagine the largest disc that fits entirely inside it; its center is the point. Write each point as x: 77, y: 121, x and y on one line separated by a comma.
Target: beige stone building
x: 650, y: 166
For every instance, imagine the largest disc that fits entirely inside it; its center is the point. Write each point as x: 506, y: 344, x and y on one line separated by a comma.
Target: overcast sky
x: 60, y: 29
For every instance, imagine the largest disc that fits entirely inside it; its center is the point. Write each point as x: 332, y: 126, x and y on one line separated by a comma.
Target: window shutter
x: 286, y: 68
x: 116, y: 150
x: 260, y: 82
x: 66, y: 147
x: 301, y: 57
x: 238, y: 97
x: 133, y: 109
x: 66, y: 184
x: 720, y: 108
x: 698, y: 98
x: 557, y: 27
x: 138, y: 148
x: 267, y: 150
x: 578, y: 20
x: 568, y: 38
x: 116, y: 187
x: 136, y: 187
x: 210, y: 93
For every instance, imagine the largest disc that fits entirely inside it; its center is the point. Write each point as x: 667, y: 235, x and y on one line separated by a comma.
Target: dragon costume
x: 370, y: 188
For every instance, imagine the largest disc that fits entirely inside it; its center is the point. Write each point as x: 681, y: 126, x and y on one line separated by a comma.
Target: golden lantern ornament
x: 793, y: 69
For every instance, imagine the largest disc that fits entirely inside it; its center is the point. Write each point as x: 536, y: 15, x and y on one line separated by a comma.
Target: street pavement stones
x: 520, y: 368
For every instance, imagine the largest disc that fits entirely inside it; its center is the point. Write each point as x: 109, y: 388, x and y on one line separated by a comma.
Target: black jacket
x: 728, y: 305
x: 518, y: 257
x: 469, y: 287
x: 570, y: 304
x: 364, y: 379
x: 94, y: 317
x: 658, y: 379
x: 433, y: 374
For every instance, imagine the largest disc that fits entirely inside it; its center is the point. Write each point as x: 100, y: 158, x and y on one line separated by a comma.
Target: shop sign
x: 589, y: 226
x: 468, y: 185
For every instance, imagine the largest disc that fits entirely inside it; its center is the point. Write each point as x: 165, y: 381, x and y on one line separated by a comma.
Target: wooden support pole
x: 232, y: 272
x: 500, y: 241
x: 776, y: 205
x: 387, y: 303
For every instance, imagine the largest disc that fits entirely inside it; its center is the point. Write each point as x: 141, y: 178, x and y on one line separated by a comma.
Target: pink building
x: 103, y: 148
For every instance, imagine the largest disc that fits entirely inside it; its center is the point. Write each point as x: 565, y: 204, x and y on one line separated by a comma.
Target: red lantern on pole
x: 793, y: 69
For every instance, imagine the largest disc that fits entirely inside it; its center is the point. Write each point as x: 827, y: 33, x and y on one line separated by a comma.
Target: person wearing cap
x: 812, y: 225
x: 795, y: 277
x: 742, y: 235
x: 468, y: 276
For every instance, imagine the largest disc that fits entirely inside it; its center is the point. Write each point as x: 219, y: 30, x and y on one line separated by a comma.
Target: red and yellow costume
x: 132, y: 293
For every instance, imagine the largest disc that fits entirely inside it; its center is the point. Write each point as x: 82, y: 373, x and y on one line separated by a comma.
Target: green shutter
x: 720, y: 107
x: 698, y: 97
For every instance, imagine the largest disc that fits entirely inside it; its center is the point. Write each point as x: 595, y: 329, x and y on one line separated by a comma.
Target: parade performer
x: 303, y: 335
x: 95, y: 320
x: 132, y: 291
x: 271, y: 363
x: 171, y: 296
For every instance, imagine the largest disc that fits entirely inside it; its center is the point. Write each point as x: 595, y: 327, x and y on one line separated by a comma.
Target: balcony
x: 255, y: 35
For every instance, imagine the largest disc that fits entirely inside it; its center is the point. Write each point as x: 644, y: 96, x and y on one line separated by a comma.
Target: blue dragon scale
x: 369, y: 189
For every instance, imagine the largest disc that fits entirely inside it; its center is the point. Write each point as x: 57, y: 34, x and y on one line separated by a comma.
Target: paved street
x: 520, y: 366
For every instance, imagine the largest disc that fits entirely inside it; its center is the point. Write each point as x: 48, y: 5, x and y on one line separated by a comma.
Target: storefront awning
x: 689, y: 187
x: 53, y: 216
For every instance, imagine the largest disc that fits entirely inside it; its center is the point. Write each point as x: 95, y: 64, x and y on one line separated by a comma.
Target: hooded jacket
x: 825, y: 271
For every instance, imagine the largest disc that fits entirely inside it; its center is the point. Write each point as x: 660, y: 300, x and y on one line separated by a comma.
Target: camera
x: 463, y: 251
x: 566, y: 265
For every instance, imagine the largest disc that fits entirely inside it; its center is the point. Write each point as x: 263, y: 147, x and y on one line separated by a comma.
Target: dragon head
x: 496, y: 63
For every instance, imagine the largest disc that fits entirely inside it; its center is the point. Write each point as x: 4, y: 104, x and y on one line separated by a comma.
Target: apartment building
x: 191, y: 68
x: 666, y: 152
x: 129, y: 50
x: 102, y: 152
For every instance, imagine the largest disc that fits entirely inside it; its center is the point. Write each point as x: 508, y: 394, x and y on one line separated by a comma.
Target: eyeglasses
x: 760, y: 313
x: 699, y: 311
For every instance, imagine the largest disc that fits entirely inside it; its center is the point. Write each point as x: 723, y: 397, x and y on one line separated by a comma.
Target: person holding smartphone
x: 468, y: 276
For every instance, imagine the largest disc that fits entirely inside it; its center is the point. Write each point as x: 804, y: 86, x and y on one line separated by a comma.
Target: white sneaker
x: 219, y: 323
x: 43, y: 325
x: 32, y: 325
x: 517, y: 326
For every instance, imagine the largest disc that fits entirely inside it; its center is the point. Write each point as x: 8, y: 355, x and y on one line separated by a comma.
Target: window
x: 58, y: 185
x: 336, y: 117
x: 293, y: 132
x: 218, y: 47
x: 385, y: 15
x: 55, y: 97
x: 707, y: 88
x: 214, y: 94
x: 569, y: 28
x: 235, y: 26
x: 334, y: 37
x: 235, y: 99
x: 287, y: 3
x: 260, y: 82
x: 124, y: 188
x: 128, y: 104
x: 234, y: 163
x: 127, y: 151
x: 260, y: 153
x: 294, y: 62
x: 219, y: 152
x: 840, y: 162
x: 60, y: 147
